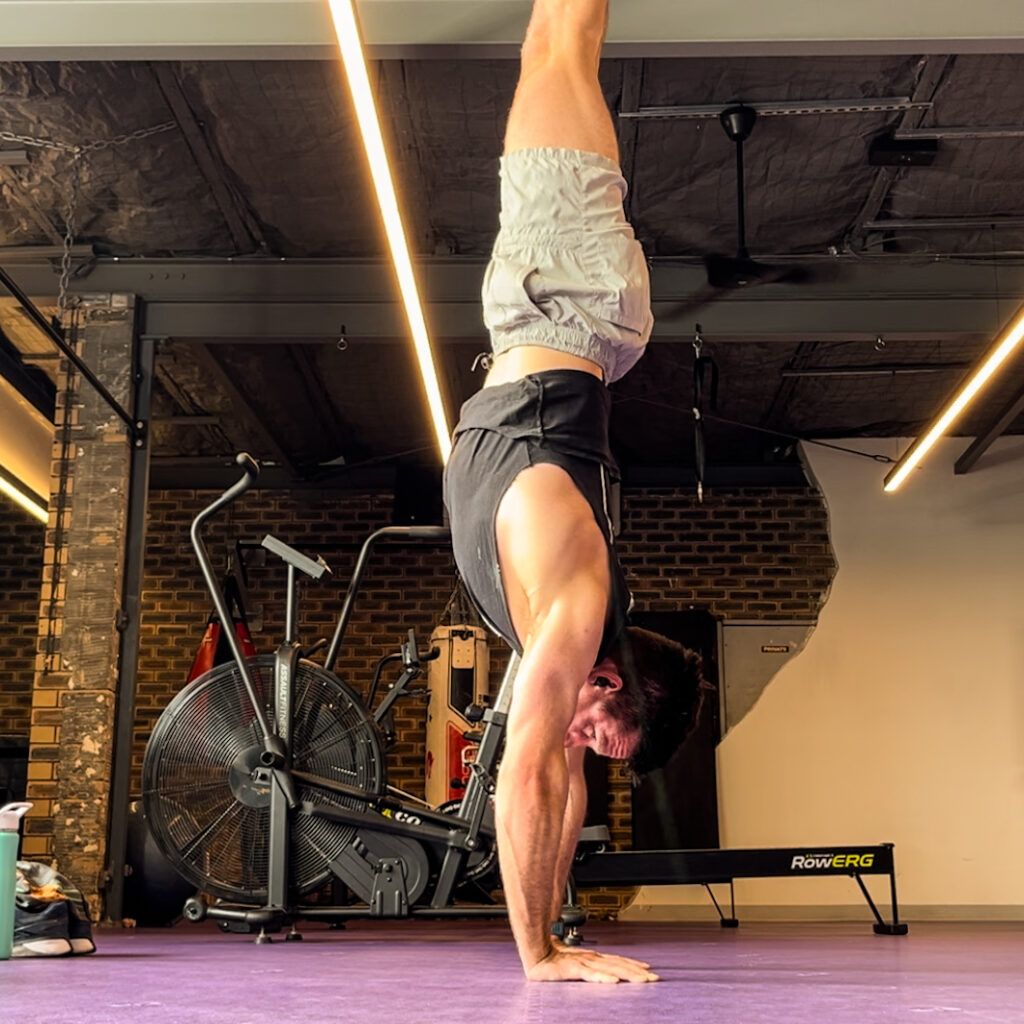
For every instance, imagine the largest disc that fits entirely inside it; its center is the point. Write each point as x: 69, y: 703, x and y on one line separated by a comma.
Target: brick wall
x: 405, y: 587
x: 21, y: 567
x: 744, y: 553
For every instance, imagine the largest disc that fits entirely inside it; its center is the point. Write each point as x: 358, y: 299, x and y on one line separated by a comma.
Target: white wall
x: 26, y: 441
x: 903, y: 718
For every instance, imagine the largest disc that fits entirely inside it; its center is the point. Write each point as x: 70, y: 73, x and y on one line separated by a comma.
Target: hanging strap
x: 460, y: 610
x: 705, y: 374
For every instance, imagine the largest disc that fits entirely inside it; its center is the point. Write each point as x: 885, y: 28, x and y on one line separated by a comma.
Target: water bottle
x: 10, y: 822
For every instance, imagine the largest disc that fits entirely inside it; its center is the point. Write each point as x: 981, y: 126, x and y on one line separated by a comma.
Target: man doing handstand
x: 567, y: 304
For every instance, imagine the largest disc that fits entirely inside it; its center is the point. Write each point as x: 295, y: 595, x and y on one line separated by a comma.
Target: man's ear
x: 606, y: 677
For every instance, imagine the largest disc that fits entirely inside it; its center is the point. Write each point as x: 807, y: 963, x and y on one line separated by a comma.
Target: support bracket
x: 56, y: 335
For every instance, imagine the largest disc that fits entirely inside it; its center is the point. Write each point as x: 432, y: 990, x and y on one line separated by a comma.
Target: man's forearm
x: 575, y: 812
x: 530, y: 812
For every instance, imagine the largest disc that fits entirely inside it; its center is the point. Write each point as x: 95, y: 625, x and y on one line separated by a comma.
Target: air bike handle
x: 250, y: 471
x: 437, y: 534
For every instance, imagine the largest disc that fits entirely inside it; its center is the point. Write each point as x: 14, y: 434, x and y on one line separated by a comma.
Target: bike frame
x: 458, y: 834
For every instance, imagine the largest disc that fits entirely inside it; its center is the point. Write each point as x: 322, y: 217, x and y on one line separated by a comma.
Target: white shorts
x: 567, y: 271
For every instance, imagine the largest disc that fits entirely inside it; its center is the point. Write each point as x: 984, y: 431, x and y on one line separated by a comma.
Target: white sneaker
x: 42, y: 947
x: 41, y: 930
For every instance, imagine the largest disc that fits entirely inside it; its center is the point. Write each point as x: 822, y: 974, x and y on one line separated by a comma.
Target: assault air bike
x: 265, y: 778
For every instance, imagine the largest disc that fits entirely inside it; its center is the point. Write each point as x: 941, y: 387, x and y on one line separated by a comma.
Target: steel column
x: 144, y: 362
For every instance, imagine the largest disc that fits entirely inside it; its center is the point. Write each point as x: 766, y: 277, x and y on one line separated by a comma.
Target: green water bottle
x: 10, y: 822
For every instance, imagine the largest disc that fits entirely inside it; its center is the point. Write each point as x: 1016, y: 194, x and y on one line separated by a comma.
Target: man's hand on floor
x: 566, y: 963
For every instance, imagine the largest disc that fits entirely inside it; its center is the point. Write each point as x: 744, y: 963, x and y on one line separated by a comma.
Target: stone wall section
x: 74, y: 691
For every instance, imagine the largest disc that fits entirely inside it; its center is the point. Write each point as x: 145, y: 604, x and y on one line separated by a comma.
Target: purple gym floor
x: 419, y: 972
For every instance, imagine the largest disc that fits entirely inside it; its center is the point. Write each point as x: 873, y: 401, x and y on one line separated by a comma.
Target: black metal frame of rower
x: 713, y: 867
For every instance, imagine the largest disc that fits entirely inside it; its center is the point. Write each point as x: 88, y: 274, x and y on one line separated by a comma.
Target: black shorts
x: 558, y: 417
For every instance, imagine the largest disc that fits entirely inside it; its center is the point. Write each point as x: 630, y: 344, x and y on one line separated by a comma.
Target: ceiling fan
x: 730, y: 273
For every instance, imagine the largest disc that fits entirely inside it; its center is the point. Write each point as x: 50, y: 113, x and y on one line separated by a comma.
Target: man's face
x: 596, y: 724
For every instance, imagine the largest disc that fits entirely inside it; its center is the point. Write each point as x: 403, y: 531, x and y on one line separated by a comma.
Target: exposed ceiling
x: 248, y: 228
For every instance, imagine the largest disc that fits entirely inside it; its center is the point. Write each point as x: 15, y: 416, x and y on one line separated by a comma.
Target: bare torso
x: 516, y: 363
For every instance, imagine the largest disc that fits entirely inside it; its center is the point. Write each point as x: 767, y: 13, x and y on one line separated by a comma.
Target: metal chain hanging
x: 459, y: 611
x: 69, y: 236
x: 88, y: 147
x: 78, y: 153
x: 52, y: 661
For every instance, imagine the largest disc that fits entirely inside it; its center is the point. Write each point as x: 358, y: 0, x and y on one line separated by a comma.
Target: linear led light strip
x: 346, y: 28
x: 996, y: 357
x: 23, y: 496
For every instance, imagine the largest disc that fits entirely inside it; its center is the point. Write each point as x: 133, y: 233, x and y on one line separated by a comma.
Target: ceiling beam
x: 211, y: 427
x: 778, y: 411
x: 627, y: 129
x: 12, y: 185
x: 217, y: 373
x: 296, y: 29
x: 310, y: 300
x: 994, y: 223
x: 339, y: 434
x: 822, y: 318
x: 458, y: 279
x: 245, y: 231
x: 1002, y: 420
x: 932, y: 73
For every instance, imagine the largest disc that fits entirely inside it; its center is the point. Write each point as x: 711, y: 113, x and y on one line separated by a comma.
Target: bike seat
x: 316, y: 569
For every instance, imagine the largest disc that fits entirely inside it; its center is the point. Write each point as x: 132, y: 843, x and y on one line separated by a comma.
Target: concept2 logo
x: 820, y: 861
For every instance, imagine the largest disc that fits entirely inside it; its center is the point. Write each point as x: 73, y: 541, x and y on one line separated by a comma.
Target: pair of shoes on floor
x: 51, y: 917
x: 50, y: 929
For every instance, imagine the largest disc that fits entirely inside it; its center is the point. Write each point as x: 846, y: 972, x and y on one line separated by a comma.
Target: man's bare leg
x: 558, y: 101
x: 553, y: 555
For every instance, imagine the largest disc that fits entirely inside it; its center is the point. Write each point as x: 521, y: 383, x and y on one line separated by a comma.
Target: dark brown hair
x: 663, y: 692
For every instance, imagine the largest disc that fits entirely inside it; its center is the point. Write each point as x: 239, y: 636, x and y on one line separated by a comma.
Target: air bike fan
x: 204, y: 798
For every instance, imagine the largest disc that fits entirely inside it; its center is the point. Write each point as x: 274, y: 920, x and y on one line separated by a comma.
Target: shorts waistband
x: 567, y: 410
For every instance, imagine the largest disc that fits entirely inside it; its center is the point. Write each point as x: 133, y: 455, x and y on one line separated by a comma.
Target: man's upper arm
x: 554, y: 565
x: 554, y: 560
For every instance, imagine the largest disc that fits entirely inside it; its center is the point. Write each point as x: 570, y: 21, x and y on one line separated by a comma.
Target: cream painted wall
x: 903, y: 718
x: 26, y: 441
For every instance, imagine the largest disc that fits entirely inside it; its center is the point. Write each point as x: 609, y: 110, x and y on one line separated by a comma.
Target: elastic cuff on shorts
x: 561, y: 339
x: 562, y: 154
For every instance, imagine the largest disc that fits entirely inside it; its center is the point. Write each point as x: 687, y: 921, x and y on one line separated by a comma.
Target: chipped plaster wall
x: 901, y: 720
